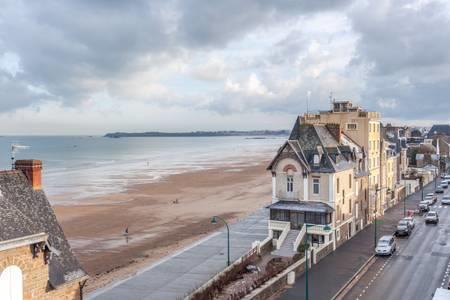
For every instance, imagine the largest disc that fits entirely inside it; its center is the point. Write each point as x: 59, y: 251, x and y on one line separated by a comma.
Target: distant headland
x: 259, y: 133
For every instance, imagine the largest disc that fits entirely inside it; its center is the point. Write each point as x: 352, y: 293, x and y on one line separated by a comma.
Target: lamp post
x: 326, y: 228
x: 375, y: 215
x: 214, y: 221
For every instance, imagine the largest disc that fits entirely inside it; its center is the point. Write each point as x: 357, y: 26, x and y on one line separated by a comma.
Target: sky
x: 97, y: 66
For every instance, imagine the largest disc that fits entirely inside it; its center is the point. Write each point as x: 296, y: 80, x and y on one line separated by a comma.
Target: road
x: 420, y: 265
x: 331, y: 273
x: 176, y: 276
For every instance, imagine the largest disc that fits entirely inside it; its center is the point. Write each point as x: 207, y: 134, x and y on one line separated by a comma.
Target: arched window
x: 11, y: 283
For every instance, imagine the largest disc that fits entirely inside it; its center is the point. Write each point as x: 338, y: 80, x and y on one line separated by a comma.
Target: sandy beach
x: 161, y: 217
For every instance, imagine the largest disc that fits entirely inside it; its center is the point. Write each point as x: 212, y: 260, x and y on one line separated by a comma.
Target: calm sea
x: 82, y: 166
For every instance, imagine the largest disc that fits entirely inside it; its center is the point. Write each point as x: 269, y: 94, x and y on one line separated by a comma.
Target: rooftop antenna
x: 308, y: 94
x: 331, y: 100
x: 14, y: 149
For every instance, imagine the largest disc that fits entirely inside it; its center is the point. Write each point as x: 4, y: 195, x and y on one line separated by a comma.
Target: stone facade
x: 36, y: 275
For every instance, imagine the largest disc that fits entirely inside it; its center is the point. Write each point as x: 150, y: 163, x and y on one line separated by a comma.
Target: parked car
x: 432, y: 217
x: 403, y: 228
x: 446, y: 200
x: 410, y: 221
x: 439, y: 190
x: 429, y: 195
x: 424, y: 205
x: 386, y: 245
x: 431, y: 199
x: 444, y: 185
x: 447, y: 177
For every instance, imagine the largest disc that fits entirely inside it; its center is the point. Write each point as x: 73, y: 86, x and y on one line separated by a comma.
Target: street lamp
x: 375, y: 215
x: 326, y: 228
x: 214, y: 221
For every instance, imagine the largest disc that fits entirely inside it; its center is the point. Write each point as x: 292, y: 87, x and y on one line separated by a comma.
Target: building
x: 439, y: 129
x: 364, y: 128
x: 36, y: 261
x: 319, y: 179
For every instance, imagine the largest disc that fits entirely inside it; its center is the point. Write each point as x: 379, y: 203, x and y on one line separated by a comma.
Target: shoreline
x: 162, y: 218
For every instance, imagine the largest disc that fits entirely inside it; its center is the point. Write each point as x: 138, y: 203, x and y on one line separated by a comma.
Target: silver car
x: 446, y: 199
x: 432, y: 217
x: 386, y: 245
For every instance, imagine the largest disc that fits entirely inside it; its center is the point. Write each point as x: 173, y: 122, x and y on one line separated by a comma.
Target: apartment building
x: 364, y: 128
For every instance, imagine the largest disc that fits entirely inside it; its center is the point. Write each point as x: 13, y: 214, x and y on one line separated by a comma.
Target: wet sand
x: 161, y: 218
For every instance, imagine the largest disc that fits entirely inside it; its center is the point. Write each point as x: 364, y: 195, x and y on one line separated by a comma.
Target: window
x: 11, y: 283
x: 290, y: 183
x: 350, y: 206
x: 337, y: 183
x: 352, y: 126
x: 350, y: 181
x: 316, y: 159
x: 343, y: 196
x: 316, y: 186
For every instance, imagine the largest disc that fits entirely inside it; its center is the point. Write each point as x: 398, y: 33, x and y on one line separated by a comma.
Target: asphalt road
x: 331, y: 273
x: 420, y: 265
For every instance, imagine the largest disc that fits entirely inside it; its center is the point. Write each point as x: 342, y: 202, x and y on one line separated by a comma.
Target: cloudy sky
x: 94, y: 66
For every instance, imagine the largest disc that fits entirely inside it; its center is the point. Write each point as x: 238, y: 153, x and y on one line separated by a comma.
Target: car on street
x: 429, y: 195
x: 445, y: 200
x: 441, y: 294
x: 424, y: 206
x: 432, y: 217
x: 439, y: 190
x: 447, y: 177
x: 431, y: 199
x: 386, y: 245
x: 410, y: 221
x: 403, y: 228
x: 444, y: 184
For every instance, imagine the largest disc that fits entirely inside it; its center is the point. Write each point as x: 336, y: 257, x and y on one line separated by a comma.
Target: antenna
x: 331, y: 100
x: 14, y: 149
x: 308, y: 94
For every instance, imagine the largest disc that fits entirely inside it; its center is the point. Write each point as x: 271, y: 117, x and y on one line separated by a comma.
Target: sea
x: 78, y: 167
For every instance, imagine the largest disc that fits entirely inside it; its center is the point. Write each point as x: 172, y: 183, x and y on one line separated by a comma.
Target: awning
x: 302, y: 206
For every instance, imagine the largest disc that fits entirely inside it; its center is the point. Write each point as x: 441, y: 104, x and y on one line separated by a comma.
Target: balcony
x: 320, y: 229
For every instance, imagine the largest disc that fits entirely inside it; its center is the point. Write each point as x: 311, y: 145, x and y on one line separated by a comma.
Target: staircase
x: 287, y: 249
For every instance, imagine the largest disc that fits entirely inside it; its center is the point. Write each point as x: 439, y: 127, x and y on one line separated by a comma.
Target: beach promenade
x: 176, y: 276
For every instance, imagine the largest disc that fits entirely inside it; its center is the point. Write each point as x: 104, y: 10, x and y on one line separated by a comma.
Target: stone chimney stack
x: 335, y: 130
x: 32, y: 170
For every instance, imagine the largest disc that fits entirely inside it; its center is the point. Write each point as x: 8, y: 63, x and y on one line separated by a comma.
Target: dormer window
x: 316, y: 159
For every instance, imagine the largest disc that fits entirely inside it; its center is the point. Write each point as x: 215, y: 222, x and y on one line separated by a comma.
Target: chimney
x: 335, y: 130
x: 32, y: 169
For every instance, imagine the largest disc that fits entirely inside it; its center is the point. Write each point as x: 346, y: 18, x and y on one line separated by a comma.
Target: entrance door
x: 11, y: 284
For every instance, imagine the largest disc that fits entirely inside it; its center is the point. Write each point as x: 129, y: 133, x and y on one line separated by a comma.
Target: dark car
x: 439, y: 190
x: 403, y: 228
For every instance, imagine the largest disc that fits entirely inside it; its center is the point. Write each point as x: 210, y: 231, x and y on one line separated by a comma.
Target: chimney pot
x: 33, y: 171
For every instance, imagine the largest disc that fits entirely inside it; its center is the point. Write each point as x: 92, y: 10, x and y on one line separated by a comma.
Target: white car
x: 411, y: 221
x: 386, y: 245
x: 445, y: 199
x: 431, y: 217
x: 430, y: 195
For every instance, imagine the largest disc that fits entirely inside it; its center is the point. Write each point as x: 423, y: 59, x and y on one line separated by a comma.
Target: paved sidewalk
x: 176, y: 276
x: 331, y: 273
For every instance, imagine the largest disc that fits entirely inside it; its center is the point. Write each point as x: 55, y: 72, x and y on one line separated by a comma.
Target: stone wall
x: 35, y: 276
x: 278, y: 283
x: 324, y: 252
x: 343, y: 234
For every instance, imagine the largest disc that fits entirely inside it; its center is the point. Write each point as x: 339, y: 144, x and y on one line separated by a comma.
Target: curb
x: 354, y: 279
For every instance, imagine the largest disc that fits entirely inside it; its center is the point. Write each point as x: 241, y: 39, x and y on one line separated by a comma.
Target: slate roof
x: 302, y: 206
x: 317, y: 139
x: 23, y: 212
x: 439, y: 129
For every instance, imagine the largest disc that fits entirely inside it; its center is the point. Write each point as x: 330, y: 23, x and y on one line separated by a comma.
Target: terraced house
x: 320, y: 189
x: 36, y: 261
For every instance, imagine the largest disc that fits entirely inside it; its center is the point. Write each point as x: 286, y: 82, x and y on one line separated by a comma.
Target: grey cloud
x: 63, y: 44
x: 409, y: 45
